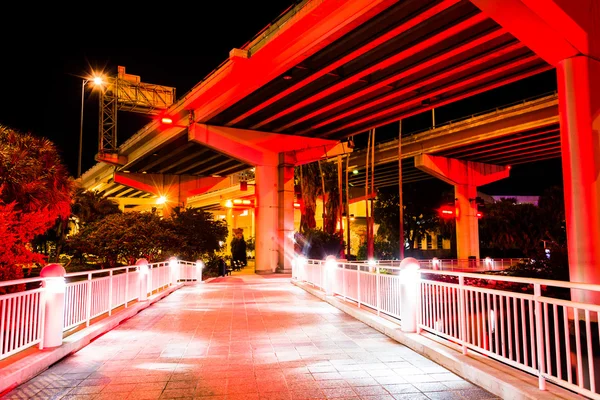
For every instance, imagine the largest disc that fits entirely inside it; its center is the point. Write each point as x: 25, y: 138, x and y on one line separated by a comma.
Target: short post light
x: 199, y: 268
x: 435, y: 262
x: 330, y: 267
x: 143, y: 270
x: 489, y: 263
x: 54, y: 295
x: 372, y: 265
x: 174, y: 268
x: 301, y: 267
x: 409, y: 291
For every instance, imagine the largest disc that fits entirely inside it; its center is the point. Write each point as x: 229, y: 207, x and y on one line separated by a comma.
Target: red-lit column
x: 467, y: 223
x: 579, y: 104
x: 465, y: 176
x: 266, y: 218
x: 286, y: 212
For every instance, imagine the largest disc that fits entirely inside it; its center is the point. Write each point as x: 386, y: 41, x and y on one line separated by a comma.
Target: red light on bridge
x: 296, y: 205
x: 167, y: 121
x: 447, y: 211
x: 479, y: 214
x: 240, y: 203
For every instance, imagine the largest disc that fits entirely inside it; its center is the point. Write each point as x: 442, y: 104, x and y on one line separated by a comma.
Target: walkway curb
x: 33, y: 364
x: 495, y: 377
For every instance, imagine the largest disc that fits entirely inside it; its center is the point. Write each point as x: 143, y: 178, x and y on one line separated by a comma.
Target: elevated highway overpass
x: 328, y: 70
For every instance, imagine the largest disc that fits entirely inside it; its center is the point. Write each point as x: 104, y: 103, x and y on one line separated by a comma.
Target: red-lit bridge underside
x: 332, y: 70
x: 410, y: 57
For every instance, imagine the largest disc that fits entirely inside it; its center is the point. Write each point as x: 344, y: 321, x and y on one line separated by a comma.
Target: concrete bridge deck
x: 245, y: 337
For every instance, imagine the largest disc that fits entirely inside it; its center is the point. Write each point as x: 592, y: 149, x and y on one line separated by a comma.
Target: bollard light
x: 330, y: 262
x: 435, y: 262
x: 372, y: 264
x: 199, y: 267
x: 488, y: 261
x: 330, y: 266
x: 173, y: 262
x: 409, y: 285
x: 54, y: 294
x: 143, y: 269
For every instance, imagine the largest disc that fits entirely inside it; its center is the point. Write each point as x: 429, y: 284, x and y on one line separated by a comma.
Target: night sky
x: 45, y: 59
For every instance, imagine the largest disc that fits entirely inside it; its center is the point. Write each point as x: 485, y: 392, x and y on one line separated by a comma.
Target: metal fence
x: 87, y: 295
x: 529, y: 324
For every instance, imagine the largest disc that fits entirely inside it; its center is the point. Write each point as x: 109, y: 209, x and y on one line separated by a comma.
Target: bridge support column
x: 579, y: 105
x: 465, y: 176
x: 267, y: 213
x: 274, y: 157
x: 286, y: 213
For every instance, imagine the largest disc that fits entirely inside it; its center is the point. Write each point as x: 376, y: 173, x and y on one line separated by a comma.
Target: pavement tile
x: 245, y: 337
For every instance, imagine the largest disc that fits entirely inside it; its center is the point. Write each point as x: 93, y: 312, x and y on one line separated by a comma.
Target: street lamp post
x: 96, y: 81
x: 83, y: 82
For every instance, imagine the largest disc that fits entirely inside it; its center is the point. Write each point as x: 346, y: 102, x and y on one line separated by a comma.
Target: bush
x: 318, y: 244
x: 382, y: 250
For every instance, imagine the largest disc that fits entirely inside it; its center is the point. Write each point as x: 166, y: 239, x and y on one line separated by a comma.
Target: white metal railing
x: 518, y: 321
x: 87, y: 295
x: 451, y: 264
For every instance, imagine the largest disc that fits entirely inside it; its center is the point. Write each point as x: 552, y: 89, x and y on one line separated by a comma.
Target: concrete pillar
x: 409, y: 294
x: 266, y: 219
x: 286, y: 214
x: 54, y: 304
x: 467, y: 223
x: 579, y: 106
x: 143, y: 274
x: 465, y: 176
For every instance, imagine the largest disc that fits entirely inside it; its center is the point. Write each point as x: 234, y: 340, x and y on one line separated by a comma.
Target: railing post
x: 330, y: 267
x: 173, y: 264
x: 377, y: 294
x: 110, y: 292
x: 126, y: 285
x: 54, y: 307
x: 142, y: 266
x: 358, y: 284
x: 409, y: 281
x: 539, y: 333
x: 344, y: 280
x: 88, y: 301
x: 462, y: 313
x: 199, y: 268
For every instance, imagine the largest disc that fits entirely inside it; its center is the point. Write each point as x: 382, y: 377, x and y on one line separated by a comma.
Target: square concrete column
x: 579, y: 105
x: 466, y: 176
x: 286, y: 213
x: 267, y: 212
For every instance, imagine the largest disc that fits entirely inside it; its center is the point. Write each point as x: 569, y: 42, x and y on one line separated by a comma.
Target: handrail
x: 536, y: 330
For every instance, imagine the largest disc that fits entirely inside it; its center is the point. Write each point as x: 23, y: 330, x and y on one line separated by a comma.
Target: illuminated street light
x: 97, y: 81
x: 161, y: 200
x: 167, y: 121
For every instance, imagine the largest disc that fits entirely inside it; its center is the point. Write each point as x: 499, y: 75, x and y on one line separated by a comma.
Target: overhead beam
x: 527, y: 26
x: 386, y: 62
x: 352, y: 55
x: 496, y: 70
x: 410, y: 71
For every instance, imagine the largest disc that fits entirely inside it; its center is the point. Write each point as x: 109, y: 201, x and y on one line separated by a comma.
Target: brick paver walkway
x: 245, y: 337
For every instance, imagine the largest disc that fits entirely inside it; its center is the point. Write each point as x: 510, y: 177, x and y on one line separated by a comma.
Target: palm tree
x: 91, y: 206
x: 35, y: 184
x: 32, y: 174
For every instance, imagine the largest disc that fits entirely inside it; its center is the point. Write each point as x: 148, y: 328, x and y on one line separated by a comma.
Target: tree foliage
x: 124, y: 238
x: 419, y: 219
x: 91, y: 206
x: 199, y: 233
x: 35, y: 191
x: 318, y: 244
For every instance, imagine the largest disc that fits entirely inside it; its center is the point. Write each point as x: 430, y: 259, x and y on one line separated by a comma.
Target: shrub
x: 318, y: 244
